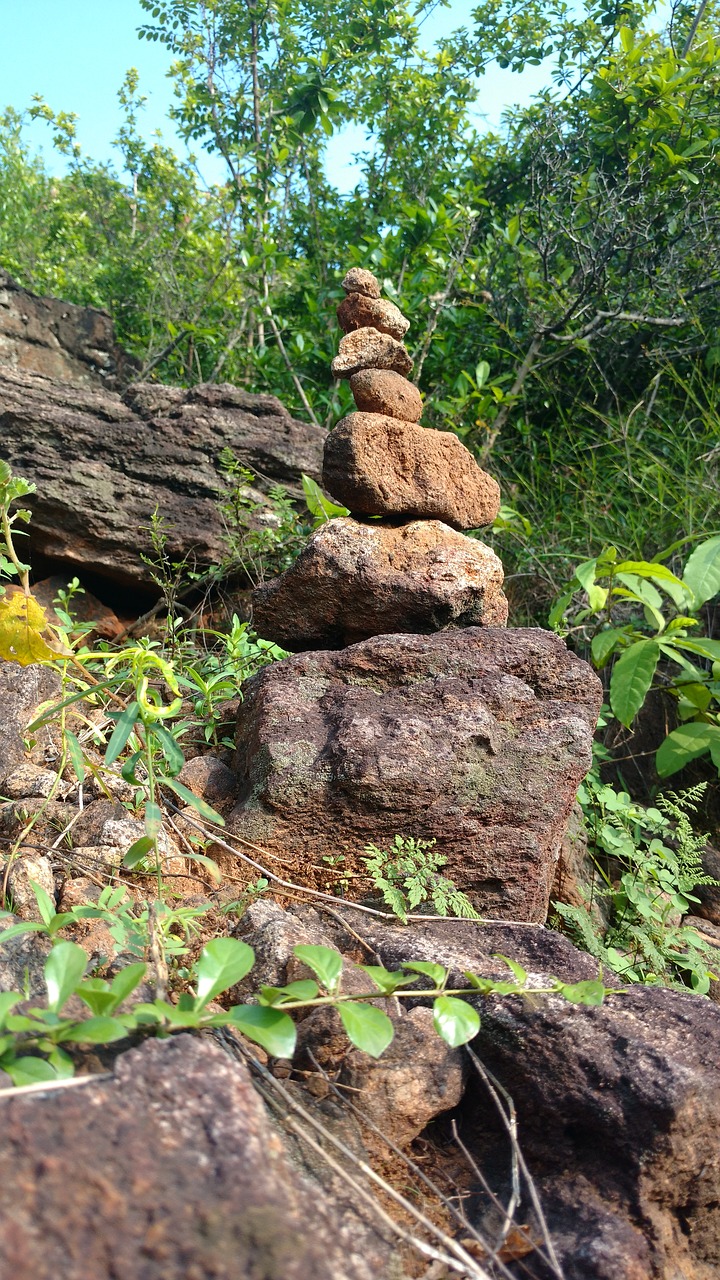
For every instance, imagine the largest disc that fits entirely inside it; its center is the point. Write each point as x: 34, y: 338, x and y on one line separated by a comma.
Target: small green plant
x: 408, y: 875
x: 34, y: 1038
x: 132, y: 925
x: 212, y: 677
x: 263, y: 536
x: 640, y: 616
x: 648, y: 861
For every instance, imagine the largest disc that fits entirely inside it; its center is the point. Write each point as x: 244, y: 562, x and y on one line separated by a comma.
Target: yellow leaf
x: 22, y: 623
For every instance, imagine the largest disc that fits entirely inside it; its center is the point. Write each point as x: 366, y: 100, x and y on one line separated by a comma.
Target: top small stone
x: 358, y: 280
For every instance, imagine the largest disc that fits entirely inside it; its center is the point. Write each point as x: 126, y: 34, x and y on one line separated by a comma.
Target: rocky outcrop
x: 618, y: 1112
x: 357, y: 580
x: 103, y: 462
x: 478, y: 745
x: 170, y: 1167
x: 58, y: 340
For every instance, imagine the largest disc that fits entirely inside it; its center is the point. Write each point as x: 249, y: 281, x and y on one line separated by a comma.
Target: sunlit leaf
x: 366, y: 1027
x: 455, y: 1020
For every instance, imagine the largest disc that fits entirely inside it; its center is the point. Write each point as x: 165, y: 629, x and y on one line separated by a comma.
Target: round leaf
x: 325, y: 963
x: 455, y: 1020
x: 271, y: 1028
x: 366, y: 1027
x: 223, y: 963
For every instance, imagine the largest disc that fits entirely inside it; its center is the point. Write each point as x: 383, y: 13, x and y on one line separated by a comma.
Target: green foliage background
x: 561, y: 275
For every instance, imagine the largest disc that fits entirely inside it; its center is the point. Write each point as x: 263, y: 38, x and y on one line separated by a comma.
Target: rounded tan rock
x: 368, y: 349
x: 358, y: 312
x: 387, y: 392
x: 380, y: 466
x: 358, y: 280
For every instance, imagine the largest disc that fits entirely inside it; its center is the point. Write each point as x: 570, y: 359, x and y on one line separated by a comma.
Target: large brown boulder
x: 476, y: 739
x: 379, y: 466
x: 103, y: 462
x: 355, y: 580
x: 170, y: 1168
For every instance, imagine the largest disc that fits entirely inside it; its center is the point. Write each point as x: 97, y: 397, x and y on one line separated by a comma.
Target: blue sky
x: 75, y: 54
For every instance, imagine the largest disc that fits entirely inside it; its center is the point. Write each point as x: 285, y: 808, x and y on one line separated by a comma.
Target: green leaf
x: 271, y: 1028
x: 138, y: 851
x: 170, y: 749
x: 75, y: 752
x: 686, y: 744
x: 303, y: 989
x: 366, y: 1027
x: 98, y: 1030
x: 631, y: 678
x: 435, y: 972
x: 126, y: 981
x: 124, y: 727
x: 325, y: 963
x: 706, y: 648
x: 591, y: 992
x: 386, y: 980
x: 153, y: 820
x: 8, y: 1000
x: 604, y: 644
x: 205, y: 810
x: 317, y: 504
x: 30, y: 1071
x: 455, y: 1020
x: 45, y: 904
x: 557, y: 612
x: 702, y: 571
x: 64, y: 969
x: 56, y: 707
x: 515, y: 968
x: 222, y: 964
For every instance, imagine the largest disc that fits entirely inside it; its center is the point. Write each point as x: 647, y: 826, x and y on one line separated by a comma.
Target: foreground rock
x: 475, y: 739
x: 356, y: 580
x: 618, y: 1109
x: 103, y: 462
x: 376, y: 465
x: 169, y: 1169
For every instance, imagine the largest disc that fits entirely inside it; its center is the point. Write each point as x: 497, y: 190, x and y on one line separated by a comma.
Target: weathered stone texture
x: 358, y: 280
x: 22, y: 690
x: 70, y: 344
x: 383, y: 391
x: 476, y: 739
x: 355, y: 580
x: 169, y: 1169
x: 103, y: 462
x: 376, y: 465
x: 368, y: 349
x: 356, y: 311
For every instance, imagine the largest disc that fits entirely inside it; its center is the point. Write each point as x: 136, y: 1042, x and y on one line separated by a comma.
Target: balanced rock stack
x: 400, y: 562
x: 389, y: 719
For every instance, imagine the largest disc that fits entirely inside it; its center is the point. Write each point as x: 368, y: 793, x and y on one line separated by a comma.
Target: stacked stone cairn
x: 401, y: 561
x: 388, y: 719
